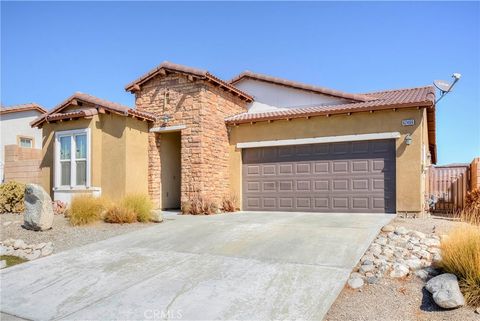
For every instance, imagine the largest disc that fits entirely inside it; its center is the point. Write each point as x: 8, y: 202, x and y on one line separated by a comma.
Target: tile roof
x: 410, y: 97
x: 382, y: 100
x: 299, y: 85
x: 22, y: 107
x: 199, y: 73
x: 80, y: 113
x: 97, y: 103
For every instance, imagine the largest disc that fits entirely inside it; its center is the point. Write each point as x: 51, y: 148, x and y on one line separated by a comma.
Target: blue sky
x: 50, y: 50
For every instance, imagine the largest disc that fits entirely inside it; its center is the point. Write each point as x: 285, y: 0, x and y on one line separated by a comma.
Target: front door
x: 170, y: 146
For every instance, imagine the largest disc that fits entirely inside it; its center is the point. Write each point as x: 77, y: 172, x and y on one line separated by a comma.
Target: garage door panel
x: 337, y: 177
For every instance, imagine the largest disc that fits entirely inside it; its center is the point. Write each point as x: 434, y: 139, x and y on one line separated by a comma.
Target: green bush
x: 140, y: 204
x: 120, y: 215
x: 12, y: 197
x: 86, y: 209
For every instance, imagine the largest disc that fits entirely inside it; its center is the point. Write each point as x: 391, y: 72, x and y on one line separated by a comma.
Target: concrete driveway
x: 255, y: 266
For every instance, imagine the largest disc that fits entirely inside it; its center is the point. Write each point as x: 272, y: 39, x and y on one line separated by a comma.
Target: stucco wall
x: 270, y: 96
x: 17, y: 124
x: 116, y: 142
x: 409, y: 185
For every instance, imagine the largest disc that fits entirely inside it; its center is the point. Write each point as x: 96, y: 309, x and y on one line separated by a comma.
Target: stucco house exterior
x: 15, y: 129
x: 276, y: 144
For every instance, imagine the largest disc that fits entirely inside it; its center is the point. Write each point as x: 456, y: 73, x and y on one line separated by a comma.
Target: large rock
x: 445, y: 291
x: 157, y: 217
x: 38, y: 209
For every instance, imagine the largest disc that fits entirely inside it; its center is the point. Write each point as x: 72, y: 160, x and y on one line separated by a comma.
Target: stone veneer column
x: 154, y: 169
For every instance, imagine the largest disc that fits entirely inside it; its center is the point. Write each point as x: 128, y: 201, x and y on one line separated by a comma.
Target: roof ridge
x: 396, y: 90
x: 299, y: 85
x: 80, y: 95
x: 199, y: 73
x: 23, y: 107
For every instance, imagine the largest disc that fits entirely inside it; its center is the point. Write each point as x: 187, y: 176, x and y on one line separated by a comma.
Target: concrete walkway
x: 243, y: 266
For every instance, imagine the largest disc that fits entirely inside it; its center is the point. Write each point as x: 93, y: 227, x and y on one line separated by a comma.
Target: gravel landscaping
x: 400, y: 297
x: 63, y: 235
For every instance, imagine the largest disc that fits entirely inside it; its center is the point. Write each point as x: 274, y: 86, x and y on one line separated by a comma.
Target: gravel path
x: 63, y: 235
x: 398, y: 300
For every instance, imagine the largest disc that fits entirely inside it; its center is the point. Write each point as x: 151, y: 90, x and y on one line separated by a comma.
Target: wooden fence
x: 447, y: 187
x: 22, y: 164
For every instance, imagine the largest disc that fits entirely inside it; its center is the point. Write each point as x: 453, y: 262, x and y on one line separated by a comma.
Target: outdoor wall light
x: 408, y: 139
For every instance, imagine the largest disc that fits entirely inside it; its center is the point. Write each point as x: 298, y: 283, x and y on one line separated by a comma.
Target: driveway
x: 243, y: 266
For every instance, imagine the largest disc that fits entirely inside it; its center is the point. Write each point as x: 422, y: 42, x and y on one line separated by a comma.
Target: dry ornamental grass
x: 140, y: 204
x: 461, y: 256
x: 120, y: 215
x: 86, y: 209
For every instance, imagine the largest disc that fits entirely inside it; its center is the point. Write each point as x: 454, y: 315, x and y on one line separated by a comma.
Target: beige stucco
x: 119, y: 161
x: 409, y: 180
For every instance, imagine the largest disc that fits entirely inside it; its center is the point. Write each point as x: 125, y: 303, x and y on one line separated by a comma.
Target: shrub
x: 86, y: 209
x: 198, y: 205
x: 186, y: 207
x: 59, y: 207
x: 471, y: 211
x: 117, y: 214
x: 461, y: 256
x: 230, y: 203
x: 12, y: 197
x: 140, y: 204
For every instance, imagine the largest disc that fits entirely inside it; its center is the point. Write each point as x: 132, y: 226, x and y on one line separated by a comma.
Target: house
x: 278, y: 145
x: 20, y: 137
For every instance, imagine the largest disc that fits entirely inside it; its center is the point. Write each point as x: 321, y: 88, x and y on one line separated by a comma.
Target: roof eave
x: 424, y: 104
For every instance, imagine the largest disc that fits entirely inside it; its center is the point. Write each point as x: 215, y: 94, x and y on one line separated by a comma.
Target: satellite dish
x: 442, y: 85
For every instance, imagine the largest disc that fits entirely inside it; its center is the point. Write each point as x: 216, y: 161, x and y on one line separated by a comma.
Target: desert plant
x: 12, y: 197
x: 199, y: 204
x: 186, y: 207
x: 59, y: 207
x: 118, y: 214
x: 86, y: 209
x: 230, y: 203
x: 140, y: 204
x: 461, y: 256
x: 471, y: 211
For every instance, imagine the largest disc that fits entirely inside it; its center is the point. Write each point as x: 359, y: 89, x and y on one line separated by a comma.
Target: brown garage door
x: 336, y: 177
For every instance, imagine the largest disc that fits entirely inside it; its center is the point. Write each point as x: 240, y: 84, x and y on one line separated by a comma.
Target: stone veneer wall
x: 201, y: 107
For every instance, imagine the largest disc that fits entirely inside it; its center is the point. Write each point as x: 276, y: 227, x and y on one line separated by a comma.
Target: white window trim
x: 319, y: 140
x: 56, y: 151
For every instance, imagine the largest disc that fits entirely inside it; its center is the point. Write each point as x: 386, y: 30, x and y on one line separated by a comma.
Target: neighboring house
x: 16, y: 130
x: 276, y: 144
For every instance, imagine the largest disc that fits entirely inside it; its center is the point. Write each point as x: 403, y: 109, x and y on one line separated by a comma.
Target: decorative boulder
x: 38, y: 209
x: 445, y: 291
x: 157, y: 217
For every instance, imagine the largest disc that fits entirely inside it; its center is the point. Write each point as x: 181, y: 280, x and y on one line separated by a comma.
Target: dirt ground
x: 399, y: 300
x: 63, y: 235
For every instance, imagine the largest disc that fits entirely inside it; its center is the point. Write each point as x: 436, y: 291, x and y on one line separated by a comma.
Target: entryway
x: 170, y: 157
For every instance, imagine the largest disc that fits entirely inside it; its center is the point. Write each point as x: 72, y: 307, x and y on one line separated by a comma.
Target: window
x: 72, y: 154
x: 25, y: 142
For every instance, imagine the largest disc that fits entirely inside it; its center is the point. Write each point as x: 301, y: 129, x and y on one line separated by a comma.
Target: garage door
x: 336, y: 177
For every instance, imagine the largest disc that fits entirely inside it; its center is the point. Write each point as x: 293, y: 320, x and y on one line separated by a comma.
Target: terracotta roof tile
x: 97, y: 103
x: 412, y: 97
x: 200, y: 73
x: 299, y: 85
x: 22, y: 107
x: 398, y: 98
